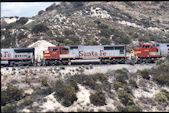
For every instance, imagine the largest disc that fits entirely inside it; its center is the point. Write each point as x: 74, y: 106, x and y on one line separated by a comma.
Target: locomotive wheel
x: 12, y: 64
x: 113, y: 61
x: 69, y: 63
x: 122, y: 62
x: 139, y: 61
x: 148, y: 60
x: 47, y: 63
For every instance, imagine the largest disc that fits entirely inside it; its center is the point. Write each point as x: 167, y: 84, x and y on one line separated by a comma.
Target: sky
x: 23, y: 9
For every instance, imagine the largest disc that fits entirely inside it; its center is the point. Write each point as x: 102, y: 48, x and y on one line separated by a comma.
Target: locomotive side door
x: 75, y: 51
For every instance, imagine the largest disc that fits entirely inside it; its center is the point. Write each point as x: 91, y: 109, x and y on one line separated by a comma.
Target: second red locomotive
x: 85, y: 54
x: 151, y: 52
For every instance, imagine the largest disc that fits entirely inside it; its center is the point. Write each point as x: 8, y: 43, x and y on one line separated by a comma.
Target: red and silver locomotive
x: 84, y: 54
x: 151, y: 52
x: 17, y: 56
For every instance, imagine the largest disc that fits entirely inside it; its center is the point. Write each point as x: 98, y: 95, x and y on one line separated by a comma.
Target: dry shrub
x: 97, y: 99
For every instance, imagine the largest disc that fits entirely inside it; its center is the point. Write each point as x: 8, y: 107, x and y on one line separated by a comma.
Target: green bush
x: 11, y: 94
x: 97, y: 21
x: 4, y: 98
x: 74, y: 39
x: 145, y: 74
x: 45, y: 91
x: 44, y: 82
x: 69, y: 32
x: 60, y: 39
x: 105, y: 41
x: 98, y: 87
x: 167, y: 57
x: 22, y: 20
x: 58, y: 88
x: 100, y: 76
x: 51, y: 7
x: 166, y: 93
x: 103, y: 26
x: 129, y: 3
x: 18, y: 23
x: 106, y: 32
x: 161, y: 79
x: 121, y: 76
x: 120, y: 37
x: 69, y: 93
x: 68, y: 42
x: 91, y: 81
x: 133, y: 83
x: 159, y: 62
x: 11, y: 25
x: 65, y: 92
x: 28, y: 100
x: 91, y: 66
x: 73, y: 83
x: 160, y: 74
x: 127, y: 89
x: 124, y: 87
x: 117, y: 85
x: 85, y: 80
x: 97, y: 99
x: 39, y: 28
x: 66, y: 103
x: 92, y: 41
x: 9, y: 108
x: 125, y: 98
x: 132, y: 108
x: 161, y: 97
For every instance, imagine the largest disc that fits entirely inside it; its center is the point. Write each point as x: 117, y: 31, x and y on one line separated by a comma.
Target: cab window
x: 144, y: 46
x: 52, y: 49
x: 65, y: 49
x: 56, y: 49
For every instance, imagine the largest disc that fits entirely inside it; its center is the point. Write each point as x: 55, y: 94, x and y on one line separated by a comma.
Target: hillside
x: 90, y: 23
x: 120, y: 88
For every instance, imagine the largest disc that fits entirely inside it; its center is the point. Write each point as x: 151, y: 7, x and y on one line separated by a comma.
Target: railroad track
x: 75, y: 65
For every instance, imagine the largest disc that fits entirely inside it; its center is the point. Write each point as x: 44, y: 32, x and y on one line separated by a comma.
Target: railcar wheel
x: 69, y: 63
x: 113, y: 61
x: 139, y: 61
x: 12, y: 63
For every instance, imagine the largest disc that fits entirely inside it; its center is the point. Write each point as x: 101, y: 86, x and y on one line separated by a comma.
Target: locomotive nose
x: 46, y: 53
x: 136, y: 49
